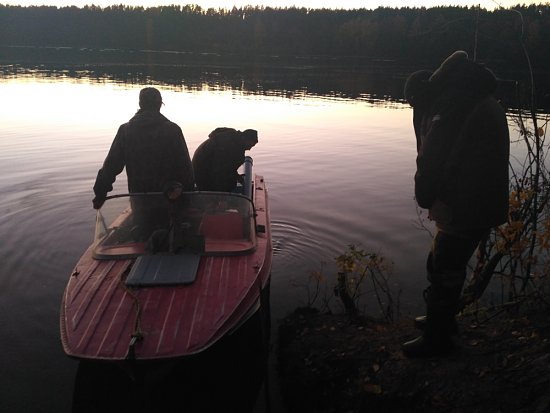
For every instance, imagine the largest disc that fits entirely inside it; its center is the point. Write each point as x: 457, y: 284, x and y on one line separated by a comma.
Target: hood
x: 222, y: 134
x: 226, y: 137
x: 461, y: 74
x: 229, y: 137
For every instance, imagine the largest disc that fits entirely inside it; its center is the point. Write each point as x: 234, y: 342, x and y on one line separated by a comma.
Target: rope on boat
x: 137, y: 334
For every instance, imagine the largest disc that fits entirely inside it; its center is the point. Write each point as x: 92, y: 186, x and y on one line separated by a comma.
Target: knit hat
x: 251, y: 134
x: 249, y: 138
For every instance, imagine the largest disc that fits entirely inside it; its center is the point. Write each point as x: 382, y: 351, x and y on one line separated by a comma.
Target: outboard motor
x: 247, y: 187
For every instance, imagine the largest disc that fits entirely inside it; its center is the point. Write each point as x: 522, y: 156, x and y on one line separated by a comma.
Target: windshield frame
x: 199, y: 222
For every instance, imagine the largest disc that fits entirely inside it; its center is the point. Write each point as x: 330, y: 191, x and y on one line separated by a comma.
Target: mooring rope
x: 137, y: 334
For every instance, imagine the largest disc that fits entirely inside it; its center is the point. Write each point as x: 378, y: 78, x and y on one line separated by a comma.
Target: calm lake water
x: 338, y: 171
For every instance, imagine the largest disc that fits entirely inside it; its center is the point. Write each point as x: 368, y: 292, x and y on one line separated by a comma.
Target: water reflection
x: 290, y: 77
x: 294, y: 77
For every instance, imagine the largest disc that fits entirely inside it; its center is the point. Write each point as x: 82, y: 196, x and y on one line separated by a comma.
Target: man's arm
x: 112, y: 166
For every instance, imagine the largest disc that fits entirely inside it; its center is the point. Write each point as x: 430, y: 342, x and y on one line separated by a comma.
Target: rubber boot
x: 421, y: 320
x: 428, y: 346
x: 436, y: 339
x: 433, y: 342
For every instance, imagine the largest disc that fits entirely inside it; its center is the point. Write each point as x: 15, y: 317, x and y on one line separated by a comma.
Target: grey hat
x: 150, y: 98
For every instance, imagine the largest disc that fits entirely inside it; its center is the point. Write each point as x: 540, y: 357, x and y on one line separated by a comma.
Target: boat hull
x: 233, y: 370
x: 102, y: 318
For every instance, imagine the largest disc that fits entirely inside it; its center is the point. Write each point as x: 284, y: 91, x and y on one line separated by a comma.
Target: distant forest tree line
x: 404, y: 35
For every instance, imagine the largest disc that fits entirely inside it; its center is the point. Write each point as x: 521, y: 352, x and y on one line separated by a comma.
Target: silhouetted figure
x: 152, y: 149
x: 461, y: 177
x: 419, y: 95
x: 217, y: 160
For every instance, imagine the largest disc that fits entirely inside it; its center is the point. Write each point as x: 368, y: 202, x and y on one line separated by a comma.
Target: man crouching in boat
x: 461, y: 177
x: 218, y: 158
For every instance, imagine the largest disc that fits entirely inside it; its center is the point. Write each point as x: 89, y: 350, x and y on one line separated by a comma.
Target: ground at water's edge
x: 330, y: 363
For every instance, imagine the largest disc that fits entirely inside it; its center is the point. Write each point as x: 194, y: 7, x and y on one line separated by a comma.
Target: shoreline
x: 334, y: 363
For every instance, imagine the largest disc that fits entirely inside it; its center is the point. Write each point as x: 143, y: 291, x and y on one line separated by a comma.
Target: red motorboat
x: 169, y: 276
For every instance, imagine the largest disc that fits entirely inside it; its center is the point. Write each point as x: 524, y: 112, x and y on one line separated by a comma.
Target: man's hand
x: 98, y: 201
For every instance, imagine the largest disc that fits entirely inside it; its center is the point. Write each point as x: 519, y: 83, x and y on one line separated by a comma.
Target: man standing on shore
x: 461, y: 177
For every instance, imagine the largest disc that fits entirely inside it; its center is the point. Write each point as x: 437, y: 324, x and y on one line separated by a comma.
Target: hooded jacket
x: 154, y: 152
x: 462, y: 163
x: 217, y: 159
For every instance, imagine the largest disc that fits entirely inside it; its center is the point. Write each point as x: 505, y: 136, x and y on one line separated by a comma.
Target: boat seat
x: 226, y: 225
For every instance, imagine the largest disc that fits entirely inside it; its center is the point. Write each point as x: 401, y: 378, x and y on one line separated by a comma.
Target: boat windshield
x: 212, y: 223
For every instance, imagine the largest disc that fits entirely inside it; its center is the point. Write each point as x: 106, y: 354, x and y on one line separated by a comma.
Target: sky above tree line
x: 313, y: 4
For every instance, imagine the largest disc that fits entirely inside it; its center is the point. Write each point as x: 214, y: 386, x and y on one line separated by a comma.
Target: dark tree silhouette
x: 407, y: 35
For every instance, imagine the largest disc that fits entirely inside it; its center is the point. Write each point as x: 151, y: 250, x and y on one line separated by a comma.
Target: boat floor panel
x: 151, y: 270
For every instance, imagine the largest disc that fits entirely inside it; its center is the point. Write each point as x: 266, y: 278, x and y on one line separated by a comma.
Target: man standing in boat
x: 461, y: 178
x: 217, y: 160
x: 152, y: 149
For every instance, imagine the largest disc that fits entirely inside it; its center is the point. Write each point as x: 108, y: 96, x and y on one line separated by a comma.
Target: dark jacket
x: 217, y: 159
x: 462, y: 164
x: 154, y: 152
